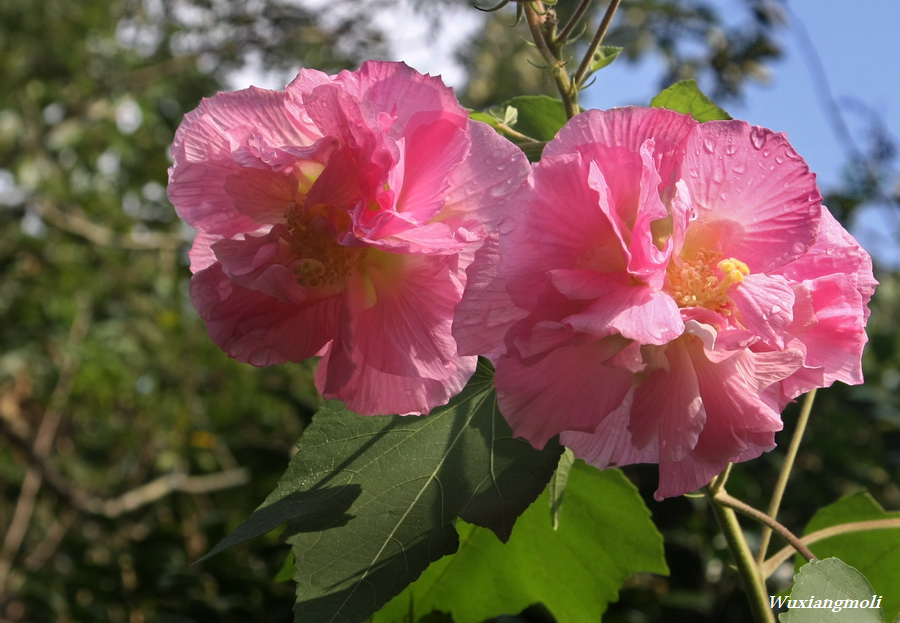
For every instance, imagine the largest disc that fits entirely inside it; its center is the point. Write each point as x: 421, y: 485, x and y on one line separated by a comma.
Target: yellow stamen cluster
x: 323, y: 261
x: 702, y: 282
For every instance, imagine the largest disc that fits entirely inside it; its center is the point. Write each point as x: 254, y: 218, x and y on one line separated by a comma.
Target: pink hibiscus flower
x: 337, y: 218
x: 663, y: 289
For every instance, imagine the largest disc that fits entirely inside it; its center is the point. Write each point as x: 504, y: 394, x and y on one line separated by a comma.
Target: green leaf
x: 415, y: 475
x: 686, y: 97
x: 876, y: 553
x: 820, y: 584
x: 539, y: 116
x: 604, y: 55
x: 605, y: 535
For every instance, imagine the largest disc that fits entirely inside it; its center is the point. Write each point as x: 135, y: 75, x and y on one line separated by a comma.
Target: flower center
x: 313, y: 233
x: 703, y: 282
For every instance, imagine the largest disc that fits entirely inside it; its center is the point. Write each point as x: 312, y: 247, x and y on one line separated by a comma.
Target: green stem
x: 826, y: 533
x: 567, y: 89
x: 785, y: 474
x: 580, y: 75
x: 567, y: 30
x: 754, y: 584
x: 765, y: 520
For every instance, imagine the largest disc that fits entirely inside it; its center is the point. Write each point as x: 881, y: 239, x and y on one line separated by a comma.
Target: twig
x: 754, y: 583
x: 31, y: 483
x: 579, y: 76
x: 783, y: 554
x: 131, y: 500
x: 555, y: 65
x: 570, y: 26
x: 785, y: 473
x: 745, y: 509
x: 76, y: 223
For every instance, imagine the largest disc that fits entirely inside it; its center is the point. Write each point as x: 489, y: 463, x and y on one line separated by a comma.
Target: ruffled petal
x: 765, y: 306
x: 559, y: 392
x: 755, y: 198
x: 617, y: 306
x: 486, y: 312
x: 258, y: 329
x: 411, y: 299
x: 614, y: 138
x: 204, y: 154
x: 369, y: 391
x: 667, y: 407
x: 482, y: 185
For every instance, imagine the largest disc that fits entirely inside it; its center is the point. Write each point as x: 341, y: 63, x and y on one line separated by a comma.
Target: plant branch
x: 783, y: 554
x: 582, y: 72
x: 754, y: 583
x: 745, y: 509
x: 567, y: 90
x: 570, y: 26
x: 130, y: 500
x: 785, y: 474
x: 69, y: 362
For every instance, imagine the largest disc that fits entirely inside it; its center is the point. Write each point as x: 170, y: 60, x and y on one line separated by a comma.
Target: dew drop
x: 766, y: 153
x: 709, y: 145
x: 757, y: 137
x: 776, y: 309
x: 779, y: 159
x: 739, y: 167
x: 498, y: 191
x: 730, y: 149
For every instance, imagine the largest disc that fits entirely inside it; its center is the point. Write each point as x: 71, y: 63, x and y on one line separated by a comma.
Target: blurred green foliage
x: 114, y: 404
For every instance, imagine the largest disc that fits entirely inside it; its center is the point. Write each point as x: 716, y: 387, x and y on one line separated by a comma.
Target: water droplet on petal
x: 757, y: 137
x: 709, y: 144
x: 739, y: 167
x: 730, y: 149
x: 776, y: 309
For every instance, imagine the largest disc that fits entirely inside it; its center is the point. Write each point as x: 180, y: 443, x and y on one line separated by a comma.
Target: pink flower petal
x: 755, y: 198
x: 559, y: 392
x: 486, y: 312
x: 255, y: 328
x: 421, y: 344
x: 764, y: 304
x: 667, y: 407
x: 618, y: 306
x: 366, y: 390
x: 481, y: 186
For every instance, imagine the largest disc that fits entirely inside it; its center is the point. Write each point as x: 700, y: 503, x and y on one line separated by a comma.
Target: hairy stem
x: 582, y: 72
x: 550, y: 51
x: 785, y: 473
x: 754, y: 583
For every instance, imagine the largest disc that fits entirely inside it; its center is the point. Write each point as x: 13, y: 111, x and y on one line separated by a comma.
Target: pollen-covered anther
x: 323, y: 260
x: 734, y: 271
x: 703, y: 282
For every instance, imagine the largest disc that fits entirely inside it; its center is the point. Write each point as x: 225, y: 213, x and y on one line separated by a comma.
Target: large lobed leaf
x: 605, y: 535
x: 370, y: 501
x: 821, y: 590
x: 875, y: 553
